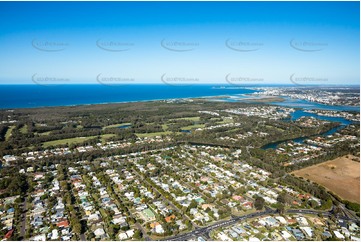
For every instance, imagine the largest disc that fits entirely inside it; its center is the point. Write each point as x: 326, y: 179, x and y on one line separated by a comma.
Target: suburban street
x: 165, y: 199
x: 23, y: 221
x: 204, y: 231
x: 82, y: 237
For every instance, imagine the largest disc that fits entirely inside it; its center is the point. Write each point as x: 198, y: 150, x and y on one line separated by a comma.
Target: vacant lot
x: 341, y: 176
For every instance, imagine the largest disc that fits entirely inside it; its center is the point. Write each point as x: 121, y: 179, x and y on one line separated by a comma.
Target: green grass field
x: 187, y: 118
x: 141, y: 135
x: 76, y: 140
x: 44, y: 133
x: 194, y: 126
x: 225, y: 120
x: 8, y: 132
x: 106, y: 136
x: 24, y: 129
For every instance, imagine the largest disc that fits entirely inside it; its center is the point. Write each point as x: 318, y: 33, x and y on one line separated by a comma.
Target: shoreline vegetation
x: 97, y: 95
x: 263, y: 99
x: 109, y: 129
x: 173, y: 139
x: 223, y: 98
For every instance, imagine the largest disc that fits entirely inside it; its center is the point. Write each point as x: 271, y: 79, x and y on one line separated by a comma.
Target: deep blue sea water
x: 30, y: 96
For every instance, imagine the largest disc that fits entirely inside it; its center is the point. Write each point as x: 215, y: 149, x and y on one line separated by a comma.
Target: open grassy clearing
x: 9, y: 132
x: 142, y: 135
x: 194, y: 126
x: 187, y: 118
x: 24, y: 129
x: 104, y: 137
x: 226, y: 121
x: 44, y: 133
x: 76, y: 140
x: 341, y: 176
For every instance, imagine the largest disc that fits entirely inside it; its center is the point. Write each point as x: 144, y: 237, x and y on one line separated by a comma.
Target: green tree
x: 281, y: 208
x: 313, y: 203
x: 193, y: 204
x: 77, y: 228
x: 138, y: 234
x: 259, y: 203
x: 282, y: 198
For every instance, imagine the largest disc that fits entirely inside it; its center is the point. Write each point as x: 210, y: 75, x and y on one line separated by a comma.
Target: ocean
x: 31, y: 96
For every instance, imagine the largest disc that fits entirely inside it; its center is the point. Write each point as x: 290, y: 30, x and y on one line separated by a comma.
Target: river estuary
x: 302, y: 106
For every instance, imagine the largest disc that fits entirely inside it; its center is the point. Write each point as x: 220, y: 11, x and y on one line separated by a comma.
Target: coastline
x: 56, y: 97
x: 200, y: 95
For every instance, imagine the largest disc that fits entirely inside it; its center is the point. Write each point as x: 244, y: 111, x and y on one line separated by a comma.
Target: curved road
x: 204, y: 231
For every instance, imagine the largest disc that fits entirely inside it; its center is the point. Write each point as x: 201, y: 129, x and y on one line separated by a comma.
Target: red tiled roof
x: 169, y: 218
x: 291, y: 221
x: 247, y: 204
x: 9, y: 234
x: 64, y: 224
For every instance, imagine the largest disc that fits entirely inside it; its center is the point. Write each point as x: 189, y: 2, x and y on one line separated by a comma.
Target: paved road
x: 306, y: 211
x: 23, y: 222
x: 165, y: 199
x: 139, y: 226
x: 82, y: 237
x: 204, y: 231
x: 145, y: 236
x: 348, y: 214
x: 235, y: 219
x: 216, y: 178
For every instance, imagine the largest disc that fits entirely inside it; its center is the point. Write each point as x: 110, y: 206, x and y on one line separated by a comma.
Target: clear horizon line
x: 181, y: 84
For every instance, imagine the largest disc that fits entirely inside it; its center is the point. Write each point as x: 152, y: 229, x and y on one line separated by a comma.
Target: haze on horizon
x: 198, y: 42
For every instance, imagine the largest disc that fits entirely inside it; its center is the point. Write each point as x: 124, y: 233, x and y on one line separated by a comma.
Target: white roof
x: 122, y: 236
x: 285, y: 234
x: 281, y: 219
x: 338, y: 235
x: 130, y: 233
x: 99, y: 231
x: 39, y: 238
x: 307, y: 230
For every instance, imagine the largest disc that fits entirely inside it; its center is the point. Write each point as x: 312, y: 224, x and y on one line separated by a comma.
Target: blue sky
x: 204, y: 42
